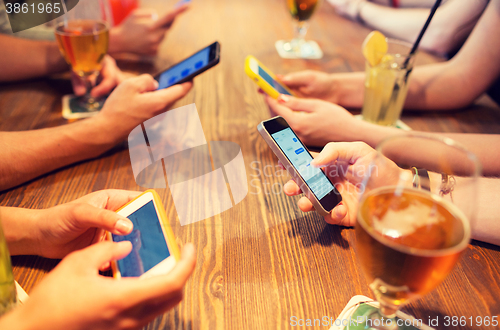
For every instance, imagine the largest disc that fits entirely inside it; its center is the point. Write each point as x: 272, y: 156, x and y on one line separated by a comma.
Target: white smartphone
x: 154, y: 249
x: 294, y: 155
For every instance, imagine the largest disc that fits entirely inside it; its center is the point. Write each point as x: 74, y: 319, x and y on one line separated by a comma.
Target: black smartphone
x: 189, y: 68
x: 294, y: 155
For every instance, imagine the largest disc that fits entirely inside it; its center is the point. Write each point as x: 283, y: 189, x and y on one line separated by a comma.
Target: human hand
x: 75, y: 296
x: 72, y: 226
x: 111, y: 76
x: 316, y: 122
x: 311, y: 84
x: 347, y: 165
x: 135, y: 101
x: 142, y: 31
x: 347, y: 8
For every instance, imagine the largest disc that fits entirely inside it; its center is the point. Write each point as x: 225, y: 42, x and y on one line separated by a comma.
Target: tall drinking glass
x: 8, y: 296
x: 411, y: 230
x: 83, y: 39
x: 298, y: 47
x: 386, y: 84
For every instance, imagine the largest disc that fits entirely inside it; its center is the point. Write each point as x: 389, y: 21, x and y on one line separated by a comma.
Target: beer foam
x: 402, y: 222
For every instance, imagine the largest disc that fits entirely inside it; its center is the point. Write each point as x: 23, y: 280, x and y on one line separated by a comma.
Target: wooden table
x: 263, y: 261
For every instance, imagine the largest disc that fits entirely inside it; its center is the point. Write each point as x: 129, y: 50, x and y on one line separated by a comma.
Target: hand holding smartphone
x: 292, y: 153
x: 264, y: 78
x: 189, y: 68
x: 154, y: 249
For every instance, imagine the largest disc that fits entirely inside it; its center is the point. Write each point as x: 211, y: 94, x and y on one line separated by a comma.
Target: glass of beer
x: 298, y: 47
x: 386, y: 84
x: 414, y: 219
x: 83, y: 39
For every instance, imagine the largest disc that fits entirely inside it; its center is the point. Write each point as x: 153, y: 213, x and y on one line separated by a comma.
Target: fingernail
x: 123, y: 226
x: 337, y: 210
x: 286, y: 185
x: 283, y: 98
x: 156, y: 84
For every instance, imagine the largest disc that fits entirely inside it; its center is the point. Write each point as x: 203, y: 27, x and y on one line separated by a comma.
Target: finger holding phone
x: 316, y: 122
x: 293, y: 154
x: 75, y: 296
x: 60, y: 230
x: 344, y: 89
x: 131, y: 103
x: 347, y: 164
x: 187, y: 69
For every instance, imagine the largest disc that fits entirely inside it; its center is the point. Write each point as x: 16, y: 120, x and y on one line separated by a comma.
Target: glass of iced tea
x: 83, y: 39
x: 414, y: 219
x: 8, y: 296
x: 298, y: 47
x: 386, y: 84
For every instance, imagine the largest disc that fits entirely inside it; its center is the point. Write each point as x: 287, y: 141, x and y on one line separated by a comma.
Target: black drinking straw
x: 396, y: 87
x: 424, y: 28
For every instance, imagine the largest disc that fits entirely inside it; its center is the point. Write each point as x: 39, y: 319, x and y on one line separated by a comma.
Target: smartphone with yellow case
x: 264, y: 78
x: 155, y: 250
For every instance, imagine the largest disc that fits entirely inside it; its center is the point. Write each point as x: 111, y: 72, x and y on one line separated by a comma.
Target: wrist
x: 55, y: 61
x: 359, y: 8
x: 21, y: 230
x: 116, y: 44
x: 373, y: 134
x: 103, y: 133
x: 347, y: 89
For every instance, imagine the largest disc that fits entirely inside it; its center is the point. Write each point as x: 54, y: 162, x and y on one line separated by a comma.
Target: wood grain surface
x: 263, y: 261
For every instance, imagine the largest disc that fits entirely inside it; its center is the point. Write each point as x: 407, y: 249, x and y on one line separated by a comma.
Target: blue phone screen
x: 272, y: 82
x: 148, y: 241
x: 180, y: 71
x: 297, y: 154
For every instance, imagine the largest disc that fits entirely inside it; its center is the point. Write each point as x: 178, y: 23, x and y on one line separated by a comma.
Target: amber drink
x: 83, y: 44
x: 408, y: 241
x: 302, y: 10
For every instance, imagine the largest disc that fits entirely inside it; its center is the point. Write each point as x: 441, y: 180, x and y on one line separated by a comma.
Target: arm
x: 60, y: 230
x: 458, y: 82
x: 357, y: 157
x: 134, y: 101
x: 443, y: 86
x: 485, y: 146
x: 449, y: 28
x: 486, y: 227
x: 318, y: 122
x: 24, y: 59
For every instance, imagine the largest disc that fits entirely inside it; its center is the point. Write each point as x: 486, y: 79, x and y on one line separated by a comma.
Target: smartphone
x: 154, y: 249
x: 189, y: 68
x: 297, y: 160
x: 264, y: 78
